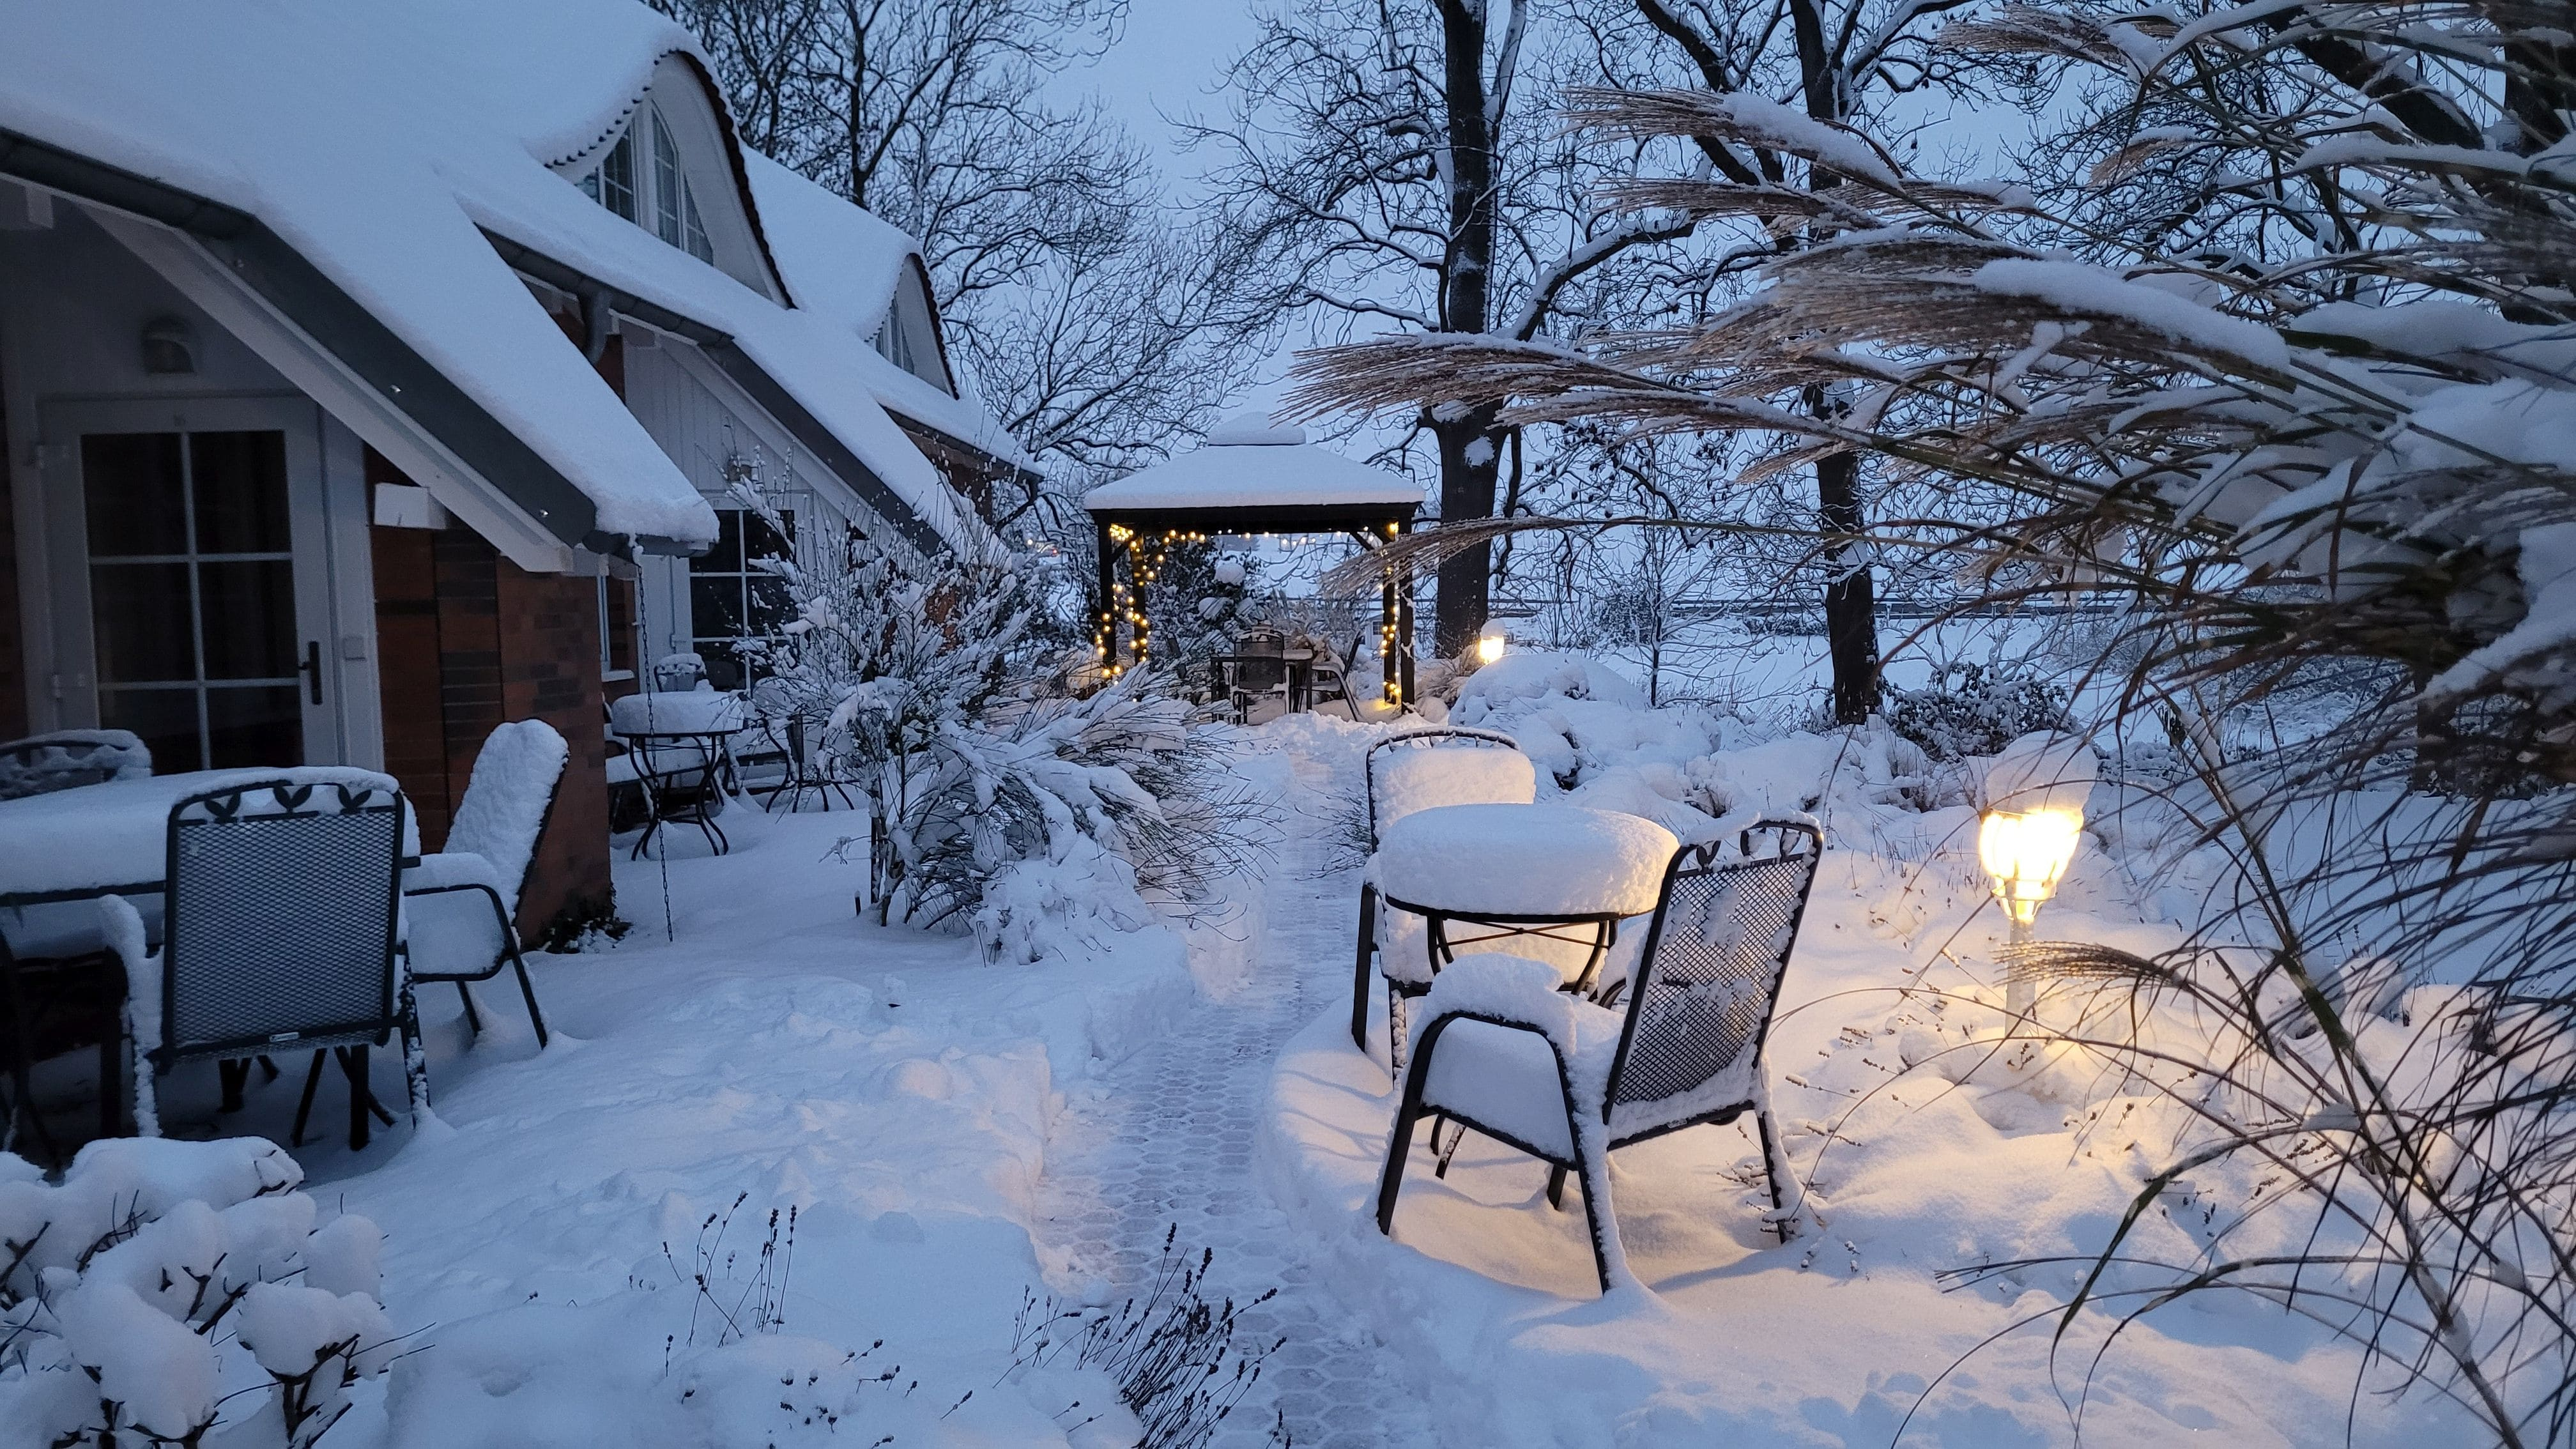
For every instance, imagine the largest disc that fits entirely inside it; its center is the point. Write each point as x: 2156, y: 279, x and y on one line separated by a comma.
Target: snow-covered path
x: 1171, y: 1142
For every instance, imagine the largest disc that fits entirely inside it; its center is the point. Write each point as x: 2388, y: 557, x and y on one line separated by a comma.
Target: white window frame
x: 658, y: 169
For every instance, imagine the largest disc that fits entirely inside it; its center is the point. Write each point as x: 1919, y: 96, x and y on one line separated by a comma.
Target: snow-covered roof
x: 843, y: 263
x: 383, y: 144
x: 1270, y: 468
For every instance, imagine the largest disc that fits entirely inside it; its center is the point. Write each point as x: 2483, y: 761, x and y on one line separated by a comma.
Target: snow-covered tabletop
x: 114, y: 836
x: 678, y: 712
x: 1525, y: 860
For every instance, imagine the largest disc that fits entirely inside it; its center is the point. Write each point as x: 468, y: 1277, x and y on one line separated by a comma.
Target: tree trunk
x: 1851, y: 593
x: 1467, y: 478
x: 1470, y: 446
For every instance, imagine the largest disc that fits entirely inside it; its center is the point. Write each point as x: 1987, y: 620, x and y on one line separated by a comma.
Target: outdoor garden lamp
x: 2026, y: 853
x: 1489, y: 646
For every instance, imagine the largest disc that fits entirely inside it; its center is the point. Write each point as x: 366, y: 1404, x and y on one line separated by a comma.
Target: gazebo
x: 1251, y: 478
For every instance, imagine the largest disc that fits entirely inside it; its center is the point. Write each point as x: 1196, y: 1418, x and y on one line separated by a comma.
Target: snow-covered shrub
x: 975, y: 757
x: 1974, y: 709
x: 161, y: 1281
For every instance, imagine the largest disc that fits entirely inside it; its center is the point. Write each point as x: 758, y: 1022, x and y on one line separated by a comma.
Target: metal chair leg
x: 1457, y: 1139
x: 1556, y: 1188
x: 304, y: 1107
x: 234, y: 1074
x: 1773, y: 1169
x: 1360, y: 972
x: 473, y: 1018
x: 528, y: 990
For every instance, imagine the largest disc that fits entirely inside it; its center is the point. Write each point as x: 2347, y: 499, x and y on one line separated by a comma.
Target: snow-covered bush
x: 980, y: 766
x: 1974, y: 709
x: 144, y: 1296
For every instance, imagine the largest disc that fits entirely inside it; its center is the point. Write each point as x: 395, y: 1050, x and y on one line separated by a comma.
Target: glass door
x: 205, y: 621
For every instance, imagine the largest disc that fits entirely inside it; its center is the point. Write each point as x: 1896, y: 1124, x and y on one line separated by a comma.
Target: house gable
x: 670, y: 163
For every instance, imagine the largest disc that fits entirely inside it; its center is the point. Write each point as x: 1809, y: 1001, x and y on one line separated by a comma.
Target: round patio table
x: 1546, y: 875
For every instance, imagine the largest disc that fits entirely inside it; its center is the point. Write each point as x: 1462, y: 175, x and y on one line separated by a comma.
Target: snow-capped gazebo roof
x: 1253, y: 477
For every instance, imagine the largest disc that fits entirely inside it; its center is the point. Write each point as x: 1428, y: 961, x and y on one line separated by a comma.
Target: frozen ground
x: 955, y: 1136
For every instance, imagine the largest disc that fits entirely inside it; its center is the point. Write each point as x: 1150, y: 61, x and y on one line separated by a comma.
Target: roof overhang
x: 1261, y: 518
x: 330, y: 345
x: 767, y: 392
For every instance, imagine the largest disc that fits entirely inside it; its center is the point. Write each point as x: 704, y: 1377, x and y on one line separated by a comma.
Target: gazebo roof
x: 1255, y: 474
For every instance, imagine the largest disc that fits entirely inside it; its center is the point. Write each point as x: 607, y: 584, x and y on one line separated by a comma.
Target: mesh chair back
x: 67, y: 759
x: 280, y: 922
x: 1260, y: 673
x: 516, y: 775
x: 1709, y: 978
x: 1432, y: 739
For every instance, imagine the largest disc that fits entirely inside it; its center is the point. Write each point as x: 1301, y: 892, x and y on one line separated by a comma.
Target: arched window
x: 644, y: 179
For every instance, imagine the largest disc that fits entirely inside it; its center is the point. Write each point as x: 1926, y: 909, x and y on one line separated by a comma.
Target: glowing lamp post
x: 2026, y: 853
x: 1489, y: 646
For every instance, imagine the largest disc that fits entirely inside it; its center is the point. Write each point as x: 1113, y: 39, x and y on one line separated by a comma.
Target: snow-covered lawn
x: 954, y: 1137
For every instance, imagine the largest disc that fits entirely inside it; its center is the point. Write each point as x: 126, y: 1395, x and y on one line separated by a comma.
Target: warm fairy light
x: 2026, y: 853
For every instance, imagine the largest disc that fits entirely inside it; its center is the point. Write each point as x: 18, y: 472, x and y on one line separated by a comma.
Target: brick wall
x: 466, y: 641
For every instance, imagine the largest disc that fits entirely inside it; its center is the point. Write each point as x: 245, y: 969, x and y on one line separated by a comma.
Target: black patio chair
x: 1427, y: 739
x: 1687, y: 1050
x: 280, y: 924
x: 792, y: 738
x: 463, y: 903
x: 68, y: 759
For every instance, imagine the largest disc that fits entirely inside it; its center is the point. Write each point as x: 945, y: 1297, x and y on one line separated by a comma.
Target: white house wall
x: 681, y: 401
x: 73, y: 306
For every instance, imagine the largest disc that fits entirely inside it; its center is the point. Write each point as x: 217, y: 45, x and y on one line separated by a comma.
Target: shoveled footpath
x: 1170, y: 1142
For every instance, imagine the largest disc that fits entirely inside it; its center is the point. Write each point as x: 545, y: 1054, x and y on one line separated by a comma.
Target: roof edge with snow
x: 309, y: 299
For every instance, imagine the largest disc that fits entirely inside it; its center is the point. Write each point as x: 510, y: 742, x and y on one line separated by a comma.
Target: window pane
x: 131, y: 484
x: 165, y: 719
x: 761, y: 540
x: 617, y: 177
x: 715, y: 606
x: 250, y: 619
x: 240, y: 481
x: 262, y: 725
x: 726, y: 556
x: 694, y: 230
x: 140, y: 617
x: 770, y: 609
x: 666, y: 182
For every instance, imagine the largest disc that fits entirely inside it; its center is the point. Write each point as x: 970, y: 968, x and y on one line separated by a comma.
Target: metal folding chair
x: 464, y: 901
x: 1368, y: 950
x: 281, y: 919
x: 1686, y: 1051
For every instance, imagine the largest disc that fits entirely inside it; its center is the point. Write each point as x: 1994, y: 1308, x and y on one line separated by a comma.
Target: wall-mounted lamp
x: 169, y: 347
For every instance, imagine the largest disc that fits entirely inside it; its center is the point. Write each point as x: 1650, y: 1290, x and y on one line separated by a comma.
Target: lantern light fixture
x: 2025, y: 854
x: 1489, y: 646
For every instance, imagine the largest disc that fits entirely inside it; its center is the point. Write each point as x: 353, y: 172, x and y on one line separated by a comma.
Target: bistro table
x: 1548, y: 881
x: 682, y: 742
x: 61, y: 851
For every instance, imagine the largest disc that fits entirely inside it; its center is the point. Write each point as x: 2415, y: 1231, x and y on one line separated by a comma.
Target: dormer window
x: 909, y: 337
x: 651, y: 190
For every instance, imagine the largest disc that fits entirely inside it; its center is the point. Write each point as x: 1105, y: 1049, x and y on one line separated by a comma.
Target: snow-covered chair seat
x: 1549, y: 882
x: 280, y: 921
x: 1504, y: 1050
x: 463, y: 902
x: 1415, y: 771
x: 68, y: 759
